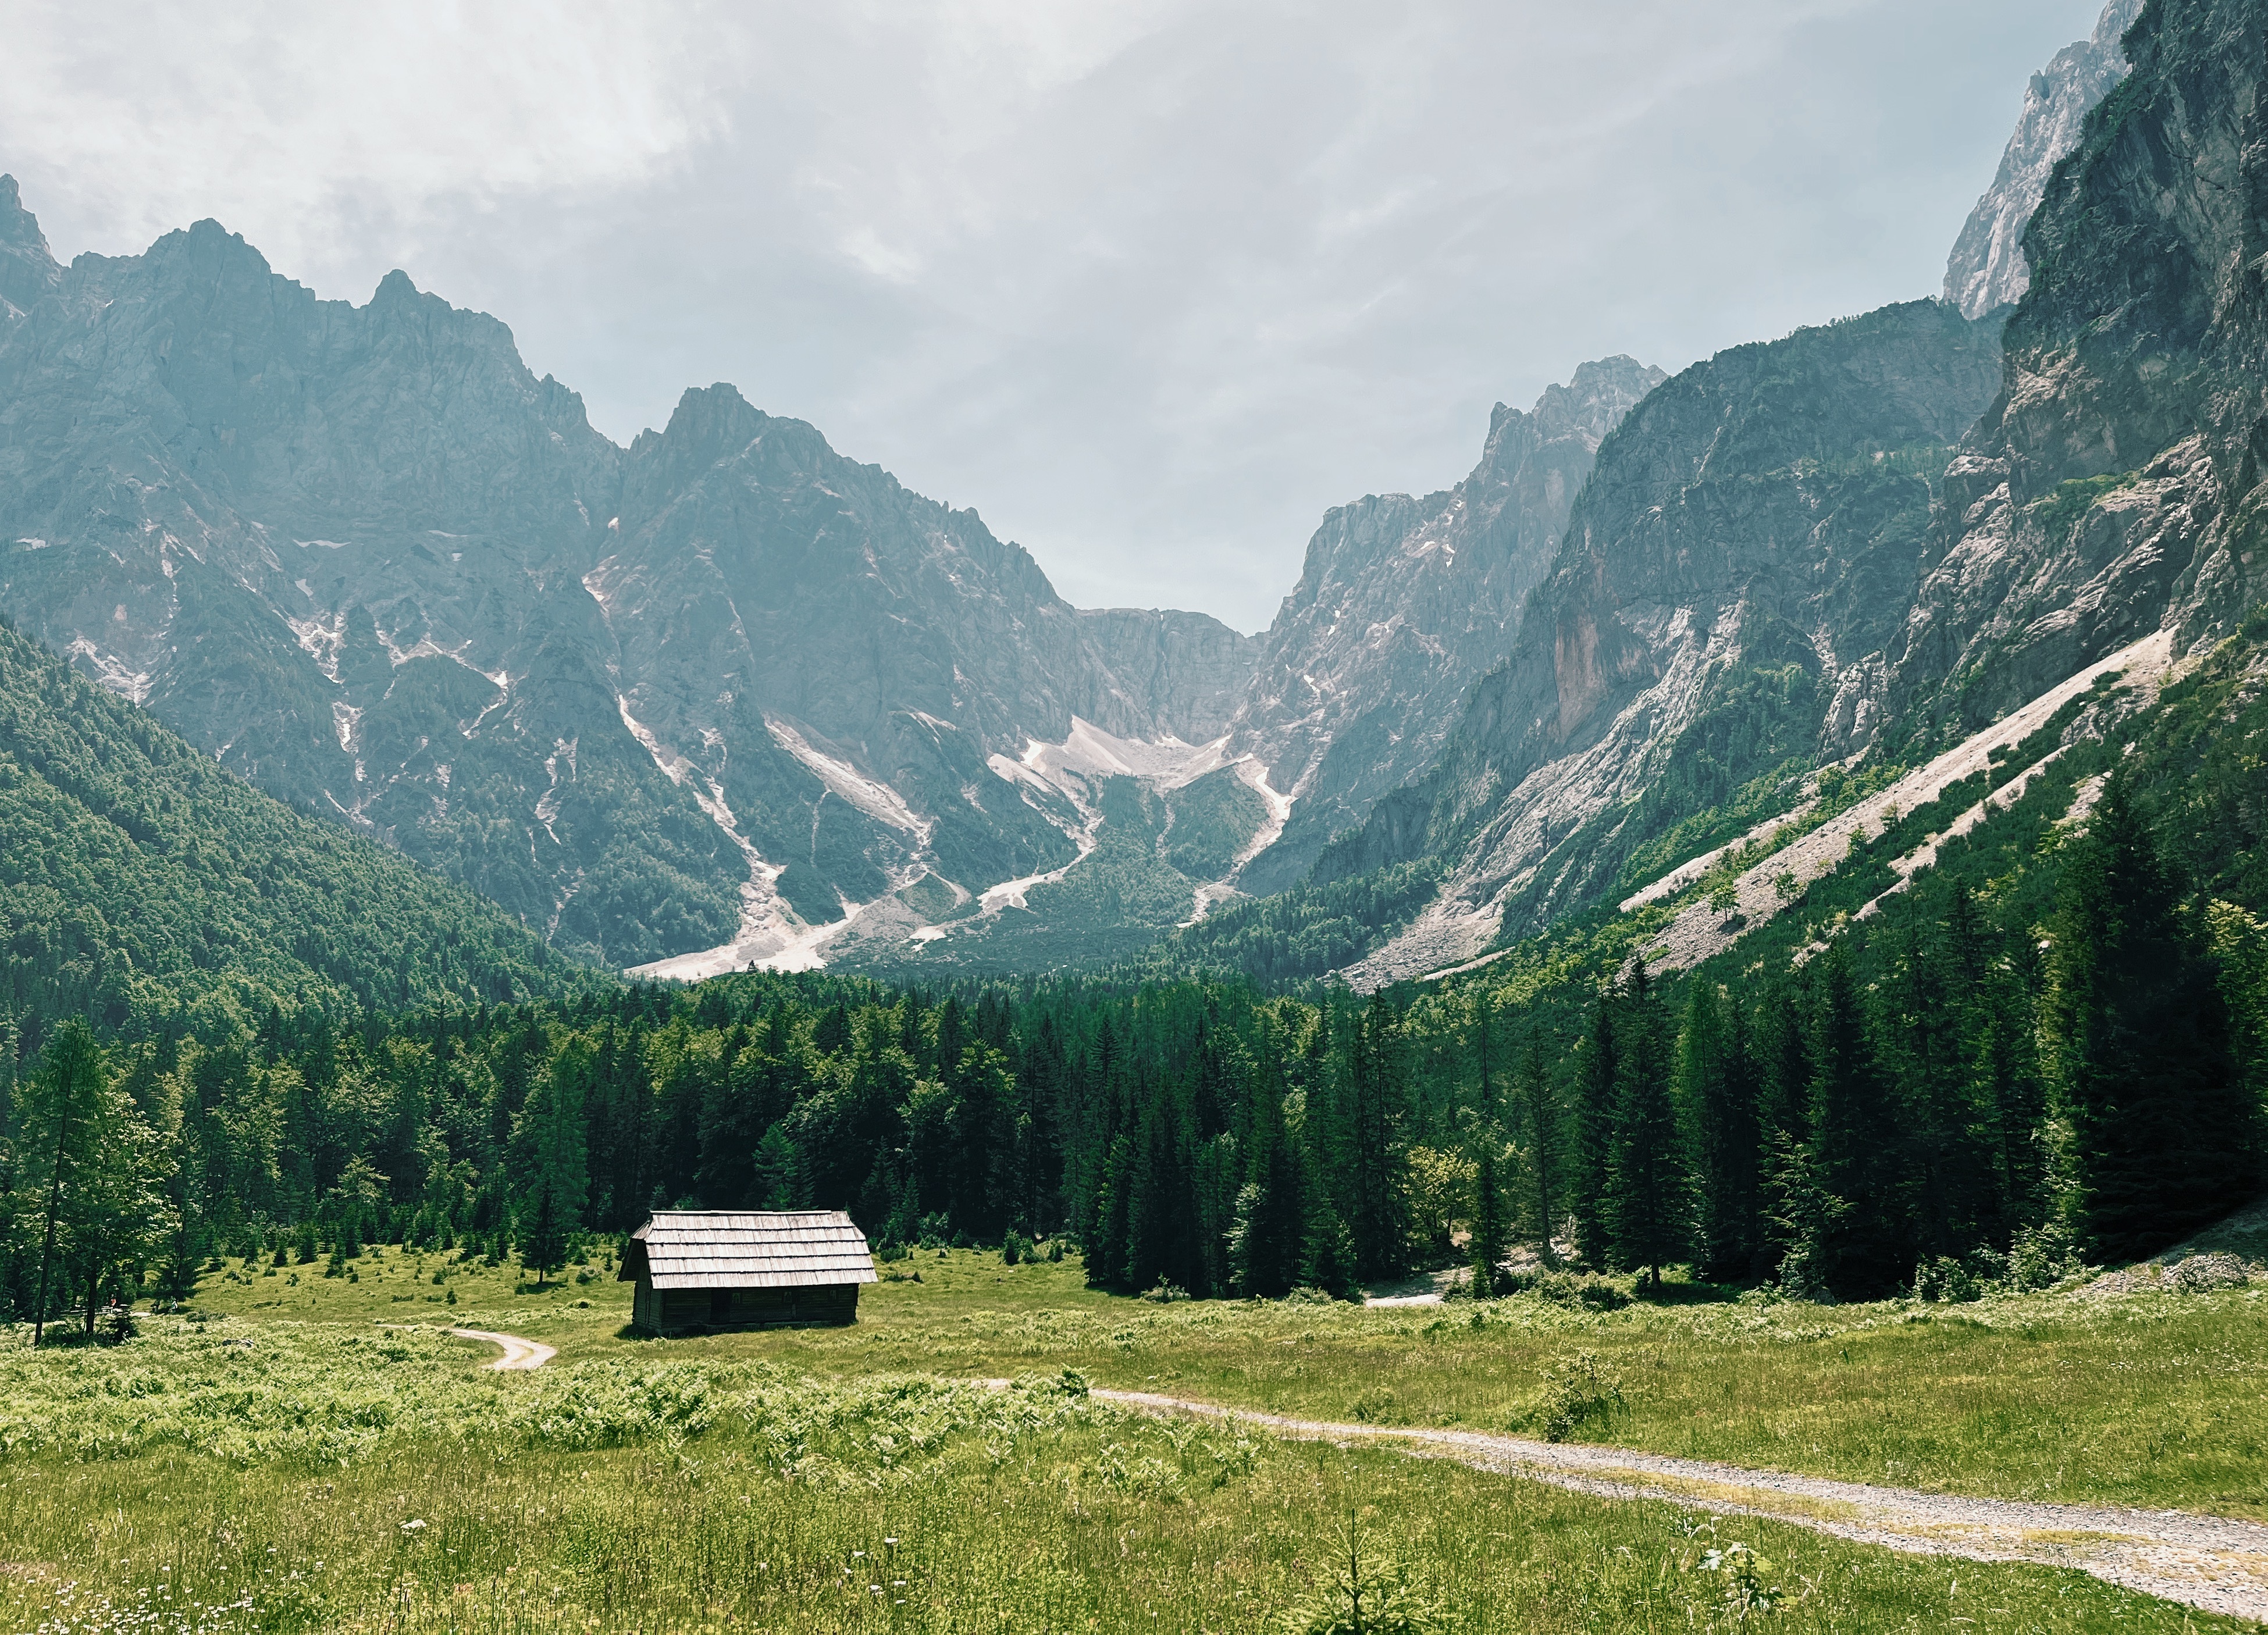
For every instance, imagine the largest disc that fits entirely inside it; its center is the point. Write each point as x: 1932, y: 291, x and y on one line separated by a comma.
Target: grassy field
x: 336, y: 1474
x: 2147, y: 1400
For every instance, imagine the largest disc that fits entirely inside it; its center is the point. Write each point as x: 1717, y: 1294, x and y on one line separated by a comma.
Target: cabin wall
x: 823, y: 1305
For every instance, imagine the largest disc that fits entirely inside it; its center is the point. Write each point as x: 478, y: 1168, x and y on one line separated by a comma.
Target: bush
x: 1577, y: 1391
x: 115, y: 1326
x: 1565, y: 1288
x: 1015, y: 1248
x: 1165, y: 1293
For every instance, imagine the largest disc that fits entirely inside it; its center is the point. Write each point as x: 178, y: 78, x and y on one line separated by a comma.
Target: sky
x: 1150, y: 284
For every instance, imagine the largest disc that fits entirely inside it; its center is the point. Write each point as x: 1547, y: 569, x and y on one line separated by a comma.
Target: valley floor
x: 295, y: 1461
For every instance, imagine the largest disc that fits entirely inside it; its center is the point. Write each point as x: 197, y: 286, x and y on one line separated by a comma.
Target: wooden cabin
x: 742, y: 1268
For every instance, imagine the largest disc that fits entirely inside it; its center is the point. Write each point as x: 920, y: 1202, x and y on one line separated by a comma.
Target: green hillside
x: 139, y: 880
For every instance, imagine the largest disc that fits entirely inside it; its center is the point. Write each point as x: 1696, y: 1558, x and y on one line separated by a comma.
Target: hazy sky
x: 1149, y: 286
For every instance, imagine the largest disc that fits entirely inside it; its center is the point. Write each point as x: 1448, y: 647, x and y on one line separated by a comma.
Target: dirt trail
x: 2207, y: 1562
x: 518, y: 1354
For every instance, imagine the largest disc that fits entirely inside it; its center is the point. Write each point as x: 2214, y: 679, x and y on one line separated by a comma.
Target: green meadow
x: 320, y: 1455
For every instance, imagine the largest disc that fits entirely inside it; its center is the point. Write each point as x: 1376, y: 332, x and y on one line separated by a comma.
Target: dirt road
x: 518, y: 1353
x: 2207, y: 1562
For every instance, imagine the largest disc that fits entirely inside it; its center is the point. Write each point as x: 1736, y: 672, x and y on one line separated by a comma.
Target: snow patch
x: 877, y: 800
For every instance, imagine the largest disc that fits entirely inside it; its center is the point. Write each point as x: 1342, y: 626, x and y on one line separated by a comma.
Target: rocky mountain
x: 1987, y: 267
x: 1402, y: 604
x: 1733, y: 582
x: 1805, y: 554
x: 2114, y: 488
x: 706, y: 695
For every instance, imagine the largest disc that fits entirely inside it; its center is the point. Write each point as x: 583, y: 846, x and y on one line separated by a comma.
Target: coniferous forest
x: 2050, y: 1049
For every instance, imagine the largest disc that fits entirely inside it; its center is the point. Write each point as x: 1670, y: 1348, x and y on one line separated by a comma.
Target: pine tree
x: 547, y: 1141
x: 1649, y: 1203
x: 63, y: 1114
x: 2163, y: 1138
x: 1854, y: 1145
x: 1542, y: 1115
x: 1269, y: 1220
x: 1718, y: 1088
x: 1488, y: 1234
x: 1378, y: 1095
x: 1598, y: 1091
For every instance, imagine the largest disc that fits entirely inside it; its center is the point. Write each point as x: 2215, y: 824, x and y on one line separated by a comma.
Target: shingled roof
x: 714, y: 1249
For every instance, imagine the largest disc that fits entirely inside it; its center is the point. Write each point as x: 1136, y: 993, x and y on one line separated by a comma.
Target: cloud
x: 1150, y: 283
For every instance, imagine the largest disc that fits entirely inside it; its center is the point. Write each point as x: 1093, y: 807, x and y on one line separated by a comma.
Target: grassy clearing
x: 2148, y: 1400
x: 624, y: 1493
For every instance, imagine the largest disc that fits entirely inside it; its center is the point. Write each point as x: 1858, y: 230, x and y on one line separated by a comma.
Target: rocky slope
x: 709, y: 691
x: 1732, y: 607
x: 1731, y: 582
x: 1403, y: 603
x: 1987, y: 267
x: 2114, y: 488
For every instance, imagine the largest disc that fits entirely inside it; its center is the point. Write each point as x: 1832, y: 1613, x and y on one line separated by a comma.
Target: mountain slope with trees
x: 142, y: 886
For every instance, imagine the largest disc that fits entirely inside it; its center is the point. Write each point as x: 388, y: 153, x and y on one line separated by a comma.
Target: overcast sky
x: 1149, y: 285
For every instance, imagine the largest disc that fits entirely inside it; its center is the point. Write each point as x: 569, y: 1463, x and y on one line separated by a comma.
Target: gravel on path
x: 2208, y: 1561
x: 518, y: 1354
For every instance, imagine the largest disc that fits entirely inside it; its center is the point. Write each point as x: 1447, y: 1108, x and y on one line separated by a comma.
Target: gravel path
x: 518, y: 1354
x: 2206, y: 1562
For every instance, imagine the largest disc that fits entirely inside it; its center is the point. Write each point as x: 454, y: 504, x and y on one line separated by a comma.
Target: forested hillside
x: 145, y: 888
x: 2052, y: 1046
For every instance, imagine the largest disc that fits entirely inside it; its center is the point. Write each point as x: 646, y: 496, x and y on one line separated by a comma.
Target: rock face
x: 1987, y: 267
x: 1732, y: 581
x: 713, y: 688
x: 2114, y: 488
x: 1403, y: 603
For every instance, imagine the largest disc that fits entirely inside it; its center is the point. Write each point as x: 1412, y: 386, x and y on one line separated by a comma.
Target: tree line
x: 1933, y: 1088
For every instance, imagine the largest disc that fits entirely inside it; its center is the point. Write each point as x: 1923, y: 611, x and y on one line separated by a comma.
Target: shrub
x: 1376, y: 1405
x: 1015, y: 1248
x: 1561, y: 1288
x: 1165, y: 1292
x: 1577, y: 1391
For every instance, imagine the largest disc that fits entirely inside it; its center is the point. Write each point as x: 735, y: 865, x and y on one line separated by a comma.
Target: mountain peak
x: 27, y: 271
x: 1988, y: 266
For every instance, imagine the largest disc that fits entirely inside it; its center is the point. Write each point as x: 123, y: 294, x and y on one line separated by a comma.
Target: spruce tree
x: 1598, y: 1092
x: 1488, y: 1234
x: 1649, y: 1201
x: 1542, y: 1116
x: 548, y: 1145
x: 2163, y: 1138
x: 1868, y: 1254
x: 1718, y: 1081
x: 1378, y: 1093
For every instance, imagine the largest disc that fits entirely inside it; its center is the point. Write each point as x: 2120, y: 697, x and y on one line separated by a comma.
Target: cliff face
x: 2114, y: 488
x: 1987, y: 269
x: 713, y: 688
x: 1731, y: 582
x: 1403, y: 603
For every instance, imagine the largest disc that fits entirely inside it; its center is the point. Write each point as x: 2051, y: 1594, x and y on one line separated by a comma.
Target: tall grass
x: 905, y: 1505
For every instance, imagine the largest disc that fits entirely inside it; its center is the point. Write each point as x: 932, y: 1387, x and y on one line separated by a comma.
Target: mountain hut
x: 740, y: 1269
